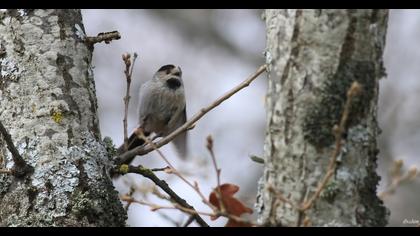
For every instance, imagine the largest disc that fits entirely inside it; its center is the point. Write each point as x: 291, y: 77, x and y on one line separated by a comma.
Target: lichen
x: 22, y: 12
x: 330, y: 191
x: 110, y: 147
x: 57, y: 116
x: 123, y: 169
x: 10, y: 69
x: 5, y: 181
x: 326, y: 110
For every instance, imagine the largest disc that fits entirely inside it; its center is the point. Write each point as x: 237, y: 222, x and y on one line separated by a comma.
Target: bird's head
x: 171, y: 75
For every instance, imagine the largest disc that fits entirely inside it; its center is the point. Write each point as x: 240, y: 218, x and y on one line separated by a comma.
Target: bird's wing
x: 181, y: 141
x: 133, y: 142
x: 146, y: 101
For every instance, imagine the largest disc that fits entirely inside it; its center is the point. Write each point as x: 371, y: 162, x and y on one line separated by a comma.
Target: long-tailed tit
x: 162, y: 108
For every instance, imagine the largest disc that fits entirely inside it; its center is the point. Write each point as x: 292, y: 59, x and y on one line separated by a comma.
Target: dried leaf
x: 232, y: 205
x: 234, y: 223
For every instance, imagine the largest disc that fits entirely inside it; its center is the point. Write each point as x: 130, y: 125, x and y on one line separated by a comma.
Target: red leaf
x: 232, y: 205
x: 234, y: 223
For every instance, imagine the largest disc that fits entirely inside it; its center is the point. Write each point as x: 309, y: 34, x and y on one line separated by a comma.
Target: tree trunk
x: 48, y: 105
x: 314, y: 56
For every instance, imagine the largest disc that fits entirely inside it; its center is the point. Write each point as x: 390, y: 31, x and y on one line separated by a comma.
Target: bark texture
x: 48, y: 104
x: 314, y: 56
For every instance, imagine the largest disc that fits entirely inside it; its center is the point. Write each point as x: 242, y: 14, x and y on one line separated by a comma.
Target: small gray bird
x: 162, y: 108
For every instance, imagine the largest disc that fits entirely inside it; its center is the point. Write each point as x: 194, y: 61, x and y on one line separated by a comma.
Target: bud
x: 354, y: 89
x: 396, y: 168
x: 412, y: 173
x: 209, y: 142
x: 125, y: 56
x: 398, y: 163
x: 169, y: 170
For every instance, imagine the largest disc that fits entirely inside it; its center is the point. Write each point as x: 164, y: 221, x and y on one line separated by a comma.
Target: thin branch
x: 128, y: 156
x: 338, y: 132
x: 193, y: 212
x: 17, y: 158
x: 132, y: 66
x: 217, y: 170
x: 176, y: 206
x: 164, y: 186
x: 130, y: 193
x: 398, y: 180
x: 176, y: 172
x: 106, y: 37
x: 307, y: 222
x: 174, y: 222
x: 167, y: 168
x: 280, y: 196
x: 216, y: 211
x: 189, y: 221
x: 21, y: 168
x: 180, y: 203
x: 128, y: 74
x: 160, y: 195
x: 5, y: 171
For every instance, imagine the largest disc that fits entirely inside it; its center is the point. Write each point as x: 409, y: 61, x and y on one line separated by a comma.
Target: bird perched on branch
x: 162, y: 109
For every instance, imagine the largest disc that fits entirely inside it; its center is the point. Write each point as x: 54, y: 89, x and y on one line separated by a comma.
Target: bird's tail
x: 181, y: 145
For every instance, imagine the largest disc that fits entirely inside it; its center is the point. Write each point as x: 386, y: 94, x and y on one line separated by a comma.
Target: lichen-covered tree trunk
x: 314, y: 56
x: 48, y: 105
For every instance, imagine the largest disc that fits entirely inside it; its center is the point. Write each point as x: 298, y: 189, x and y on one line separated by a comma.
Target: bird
x: 161, y: 109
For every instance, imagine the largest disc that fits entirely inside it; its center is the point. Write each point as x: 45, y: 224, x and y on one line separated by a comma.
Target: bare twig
x: 174, y: 222
x: 128, y: 74
x: 155, y: 207
x: 160, y: 195
x: 189, y: 221
x: 338, y: 132
x: 216, y: 211
x: 5, y: 171
x: 307, y: 222
x: 217, y: 170
x: 167, y: 168
x: 130, y: 193
x: 175, y: 171
x: 106, y: 37
x: 396, y: 168
x: 193, y: 212
x: 180, y: 203
x: 280, y: 196
x: 21, y: 168
x: 163, y: 185
x: 128, y: 156
x: 398, y: 179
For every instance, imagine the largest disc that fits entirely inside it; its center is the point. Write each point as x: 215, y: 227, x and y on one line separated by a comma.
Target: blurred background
x: 218, y: 49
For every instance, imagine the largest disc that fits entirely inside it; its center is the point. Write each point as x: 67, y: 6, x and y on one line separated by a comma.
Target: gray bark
x: 48, y: 104
x: 314, y: 56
